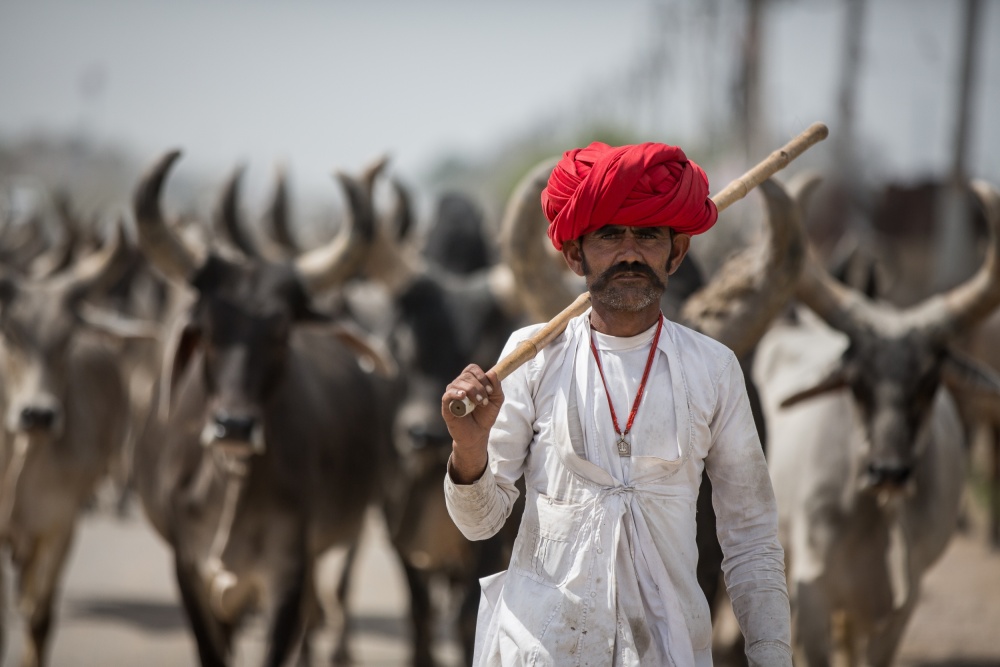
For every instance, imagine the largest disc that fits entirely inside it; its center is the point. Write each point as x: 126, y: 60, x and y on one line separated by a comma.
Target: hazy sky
x: 325, y: 84
x: 322, y: 84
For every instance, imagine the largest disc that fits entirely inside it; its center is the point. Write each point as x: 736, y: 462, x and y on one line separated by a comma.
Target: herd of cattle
x: 261, y: 398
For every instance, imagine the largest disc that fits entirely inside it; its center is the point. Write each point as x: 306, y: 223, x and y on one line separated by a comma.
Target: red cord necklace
x: 623, y: 445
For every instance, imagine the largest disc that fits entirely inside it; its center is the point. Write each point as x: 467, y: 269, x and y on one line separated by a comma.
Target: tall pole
x: 847, y: 95
x: 953, y: 226
x: 748, y: 85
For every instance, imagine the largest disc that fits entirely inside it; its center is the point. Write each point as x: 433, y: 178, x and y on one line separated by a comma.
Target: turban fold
x: 643, y: 185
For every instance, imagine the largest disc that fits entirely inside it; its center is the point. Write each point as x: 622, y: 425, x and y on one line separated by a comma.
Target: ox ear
x: 371, y: 353
x: 838, y: 377
x: 962, y: 373
x: 183, y: 339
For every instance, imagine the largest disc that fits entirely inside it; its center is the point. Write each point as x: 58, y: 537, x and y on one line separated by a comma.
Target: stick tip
x: 819, y: 130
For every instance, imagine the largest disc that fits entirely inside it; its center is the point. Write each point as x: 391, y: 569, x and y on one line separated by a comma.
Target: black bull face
x: 242, y: 323
x: 267, y: 447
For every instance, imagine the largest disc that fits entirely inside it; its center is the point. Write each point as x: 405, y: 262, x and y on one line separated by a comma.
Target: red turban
x: 646, y: 185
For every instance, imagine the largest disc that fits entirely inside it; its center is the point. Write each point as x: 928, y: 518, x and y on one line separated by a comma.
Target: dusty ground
x: 119, y: 607
x: 958, y: 621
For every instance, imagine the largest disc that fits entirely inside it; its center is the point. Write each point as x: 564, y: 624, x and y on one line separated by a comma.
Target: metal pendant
x: 624, y: 448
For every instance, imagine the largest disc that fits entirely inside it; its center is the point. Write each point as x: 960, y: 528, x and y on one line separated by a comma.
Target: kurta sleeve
x: 747, y: 525
x: 481, y: 508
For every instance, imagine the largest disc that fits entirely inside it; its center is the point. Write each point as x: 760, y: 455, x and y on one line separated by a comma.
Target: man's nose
x: 629, y: 247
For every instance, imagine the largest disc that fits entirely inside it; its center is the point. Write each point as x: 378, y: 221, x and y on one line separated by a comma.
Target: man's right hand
x: 471, y: 432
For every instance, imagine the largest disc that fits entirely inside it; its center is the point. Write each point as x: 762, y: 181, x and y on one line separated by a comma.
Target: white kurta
x: 603, y: 570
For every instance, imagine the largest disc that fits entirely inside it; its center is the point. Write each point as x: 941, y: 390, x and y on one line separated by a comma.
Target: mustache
x: 627, y: 267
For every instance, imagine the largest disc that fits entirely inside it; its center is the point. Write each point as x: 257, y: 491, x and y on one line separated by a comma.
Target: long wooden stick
x: 732, y: 193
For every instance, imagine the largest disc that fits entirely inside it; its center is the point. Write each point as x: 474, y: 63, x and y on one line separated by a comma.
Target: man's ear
x: 678, y: 249
x: 573, y: 254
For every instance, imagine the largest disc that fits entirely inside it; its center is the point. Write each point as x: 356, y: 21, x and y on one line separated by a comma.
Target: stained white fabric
x: 603, y: 570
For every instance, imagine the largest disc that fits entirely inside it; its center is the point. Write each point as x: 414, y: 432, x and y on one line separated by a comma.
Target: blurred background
x: 466, y: 96
x: 466, y: 93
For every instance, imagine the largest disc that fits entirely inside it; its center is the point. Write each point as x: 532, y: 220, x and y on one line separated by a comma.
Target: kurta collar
x: 578, y: 348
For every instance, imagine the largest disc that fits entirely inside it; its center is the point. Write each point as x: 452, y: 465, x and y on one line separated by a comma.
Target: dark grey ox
x: 866, y: 451
x: 450, y: 308
x: 267, y: 447
x: 64, y: 415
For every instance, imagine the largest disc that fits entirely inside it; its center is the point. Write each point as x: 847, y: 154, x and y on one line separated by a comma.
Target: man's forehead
x: 621, y: 229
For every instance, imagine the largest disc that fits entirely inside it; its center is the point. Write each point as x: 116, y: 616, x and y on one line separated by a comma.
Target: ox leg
x: 994, y: 487
x: 3, y: 597
x: 286, y: 616
x: 812, y: 625
x: 341, y: 651
x: 211, y: 637
x: 421, y: 615
x: 882, y: 647
x: 490, y: 558
x: 729, y: 645
x: 709, y: 568
x: 41, y: 569
x: 313, y: 615
x: 467, y: 616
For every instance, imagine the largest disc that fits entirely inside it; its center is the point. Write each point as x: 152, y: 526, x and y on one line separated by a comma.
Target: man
x: 612, y: 425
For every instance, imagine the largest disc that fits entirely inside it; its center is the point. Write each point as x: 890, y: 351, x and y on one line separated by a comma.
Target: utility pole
x: 953, y: 229
x: 845, y: 141
x: 748, y: 84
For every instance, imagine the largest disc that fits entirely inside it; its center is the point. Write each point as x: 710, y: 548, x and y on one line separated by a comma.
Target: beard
x: 625, y: 298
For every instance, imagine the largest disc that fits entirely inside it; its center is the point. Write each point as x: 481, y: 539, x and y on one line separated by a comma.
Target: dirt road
x: 119, y: 607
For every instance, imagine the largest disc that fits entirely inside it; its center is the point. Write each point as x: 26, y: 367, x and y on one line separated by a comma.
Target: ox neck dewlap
x: 622, y: 445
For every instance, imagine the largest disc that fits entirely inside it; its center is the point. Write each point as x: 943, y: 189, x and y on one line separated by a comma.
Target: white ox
x: 866, y: 452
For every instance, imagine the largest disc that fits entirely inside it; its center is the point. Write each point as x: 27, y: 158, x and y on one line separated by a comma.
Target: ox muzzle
x: 38, y: 416
x: 243, y: 433
x: 888, y: 476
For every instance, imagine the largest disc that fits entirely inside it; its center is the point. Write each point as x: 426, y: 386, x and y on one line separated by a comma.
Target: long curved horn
x: 961, y: 307
x: 402, y: 211
x: 59, y: 256
x: 165, y: 250
x: 338, y: 260
x: 751, y: 288
x: 100, y: 268
x: 372, y: 171
x: 276, y: 216
x: 541, y: 282
x: 389, y: 261
x: 840, y: 306
x: 226, y: 220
